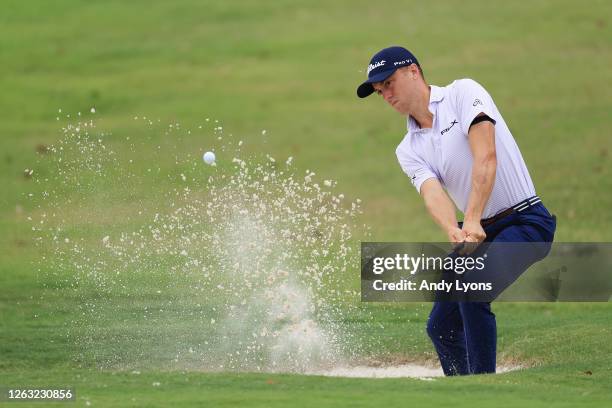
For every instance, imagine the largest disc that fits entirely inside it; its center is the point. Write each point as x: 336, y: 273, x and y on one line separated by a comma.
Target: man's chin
x: 398, y: 109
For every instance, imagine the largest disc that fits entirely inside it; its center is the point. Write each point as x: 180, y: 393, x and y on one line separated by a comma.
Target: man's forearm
x: 438, y: 204
x: 483, y: 177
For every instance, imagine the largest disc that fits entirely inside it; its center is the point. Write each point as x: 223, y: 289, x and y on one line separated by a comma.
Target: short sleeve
x: 472, y: 99
x: 415, y: 168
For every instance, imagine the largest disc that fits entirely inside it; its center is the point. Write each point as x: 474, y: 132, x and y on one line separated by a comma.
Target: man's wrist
x: 450, y: 228
x: 472, y: 217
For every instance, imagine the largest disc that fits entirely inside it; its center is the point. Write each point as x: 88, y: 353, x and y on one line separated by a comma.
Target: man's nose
x: 387, y: 95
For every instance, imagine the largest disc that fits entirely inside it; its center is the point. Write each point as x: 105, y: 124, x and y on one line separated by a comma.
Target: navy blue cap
x: 382, y: 65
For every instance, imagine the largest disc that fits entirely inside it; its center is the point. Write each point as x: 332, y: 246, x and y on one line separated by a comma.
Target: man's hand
x: 456, y: 236
x: 474, y: 235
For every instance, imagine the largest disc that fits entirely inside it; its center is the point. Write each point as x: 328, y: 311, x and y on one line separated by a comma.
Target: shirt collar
x: 436, y: 94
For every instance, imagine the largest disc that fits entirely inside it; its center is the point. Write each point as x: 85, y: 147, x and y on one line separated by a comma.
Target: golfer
x: 459, y: 153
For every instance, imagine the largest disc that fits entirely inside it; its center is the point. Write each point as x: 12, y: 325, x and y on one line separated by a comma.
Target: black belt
x: 522, y: 206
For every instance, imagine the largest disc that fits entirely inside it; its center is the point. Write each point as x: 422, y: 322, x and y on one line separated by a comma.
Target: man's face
x: 398, y: 89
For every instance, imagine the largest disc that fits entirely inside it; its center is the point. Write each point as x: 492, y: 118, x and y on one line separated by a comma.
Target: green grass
x: 533, y: 389
x: 291, y: 67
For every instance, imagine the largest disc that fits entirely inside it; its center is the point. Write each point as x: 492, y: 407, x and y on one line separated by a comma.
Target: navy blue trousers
x: 464, y: 334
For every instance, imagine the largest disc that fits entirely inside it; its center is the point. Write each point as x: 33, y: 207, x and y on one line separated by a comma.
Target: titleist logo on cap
x: 375, y: 65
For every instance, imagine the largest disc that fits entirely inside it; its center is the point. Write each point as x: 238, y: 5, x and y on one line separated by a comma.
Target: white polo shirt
x: 443, y: 151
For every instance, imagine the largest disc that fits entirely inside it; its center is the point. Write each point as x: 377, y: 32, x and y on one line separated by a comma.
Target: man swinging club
x: 459, y: 148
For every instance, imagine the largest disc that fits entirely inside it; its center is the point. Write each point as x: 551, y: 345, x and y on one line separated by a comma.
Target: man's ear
x: 405, y: 71
x: 412, y: 71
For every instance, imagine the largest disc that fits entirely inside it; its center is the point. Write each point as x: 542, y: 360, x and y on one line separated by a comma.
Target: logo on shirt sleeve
x: 477, y: 102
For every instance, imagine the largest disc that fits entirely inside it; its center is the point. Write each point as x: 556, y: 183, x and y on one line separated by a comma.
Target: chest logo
x: 453, y: 123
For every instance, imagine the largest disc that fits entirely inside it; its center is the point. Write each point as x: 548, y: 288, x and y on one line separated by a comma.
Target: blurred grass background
x: 291, y: 67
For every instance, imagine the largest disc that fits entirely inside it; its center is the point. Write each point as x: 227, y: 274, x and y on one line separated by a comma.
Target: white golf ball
x: 209, y: 158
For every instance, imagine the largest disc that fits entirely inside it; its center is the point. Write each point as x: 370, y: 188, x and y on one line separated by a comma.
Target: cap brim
x: 366, y: 89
